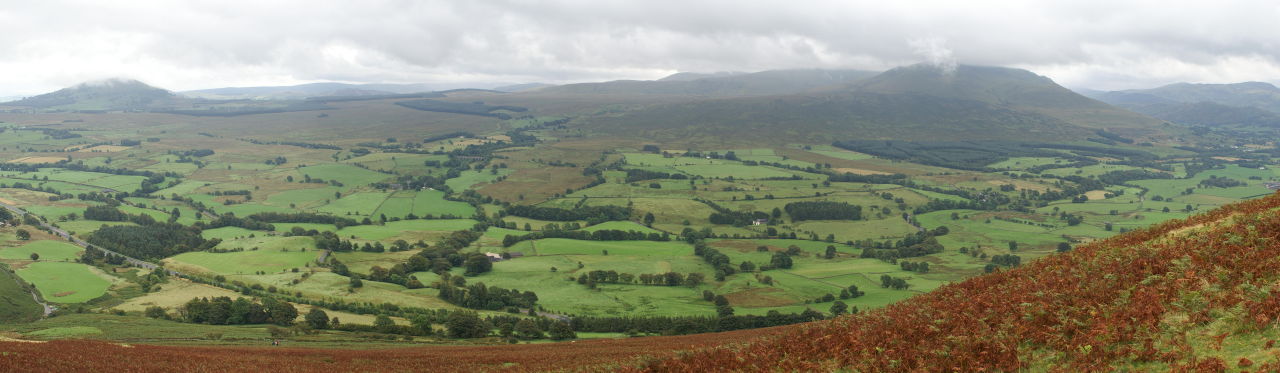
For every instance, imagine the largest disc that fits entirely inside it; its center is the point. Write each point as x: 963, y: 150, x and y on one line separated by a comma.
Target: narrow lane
x: 73, y: 239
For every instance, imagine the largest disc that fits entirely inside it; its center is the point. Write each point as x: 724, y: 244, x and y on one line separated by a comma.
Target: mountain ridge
x: 908, y: 103
x: 1235, y: 104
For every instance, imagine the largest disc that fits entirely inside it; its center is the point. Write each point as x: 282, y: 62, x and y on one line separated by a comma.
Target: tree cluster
x: 479, y: 296
x: 823, y: 210
x: 241, y: 311
x: 151, y: 241
x: 918, y: 267
x: 895, y: 283
x: 105, y: 213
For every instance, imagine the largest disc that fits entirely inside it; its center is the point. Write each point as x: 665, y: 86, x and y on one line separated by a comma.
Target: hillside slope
x: 16, y: 304
x: 916, y: 102
x: 1015, y: 89
x: 1199, y: 294
x: 764, y: 83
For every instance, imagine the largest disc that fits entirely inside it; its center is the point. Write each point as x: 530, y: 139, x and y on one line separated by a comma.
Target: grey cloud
x: 200, y: 44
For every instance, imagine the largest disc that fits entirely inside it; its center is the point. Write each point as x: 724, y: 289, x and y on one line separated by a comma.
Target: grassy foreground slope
x: 1198, y: 294
x: 16, y: 304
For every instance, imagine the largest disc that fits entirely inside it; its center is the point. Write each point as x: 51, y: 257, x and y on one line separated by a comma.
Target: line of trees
x: 592, y: 214
x: 241, y: 311
x: 591, y: 278
x: 634, y: 175
x: 308, y: 145
x: 600, y: 235
x: 231, y: 220
x: 303, y: 217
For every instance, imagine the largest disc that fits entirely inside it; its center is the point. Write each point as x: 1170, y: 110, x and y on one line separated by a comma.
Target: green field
x: 47, y: 249
x: 422, y: 203
x: 304, y: 198
x: 249, y: 261
x: 359, y: 204
x: 65, y: 282
x: 620, y: 226
x: 348, y: 175
x: 470, y: 179
x: 410, y: 230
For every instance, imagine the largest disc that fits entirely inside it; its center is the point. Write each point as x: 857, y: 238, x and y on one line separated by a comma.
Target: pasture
x: 49, y: 250
x: 65, y: 282
x: 248, y: 261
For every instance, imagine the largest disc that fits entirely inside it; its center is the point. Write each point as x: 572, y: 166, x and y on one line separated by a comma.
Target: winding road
x: 73, y: 239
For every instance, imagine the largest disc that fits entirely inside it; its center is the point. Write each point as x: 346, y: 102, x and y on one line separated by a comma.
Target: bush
x: 156, y: 312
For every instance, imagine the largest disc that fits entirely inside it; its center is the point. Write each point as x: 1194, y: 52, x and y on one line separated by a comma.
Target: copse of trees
x: 919, y: 244
x: 104, y: 213
x: 241, y: 311
x: 736, y: 218
x: 780, y: 260
x: 823, y: 210
x: 479, y: 296
x: 1220, y: 182
x: 918, y: 267
x: 1007, y: 260
x: 466, y: 324
x: 151, y: 241
x: 895, y: 283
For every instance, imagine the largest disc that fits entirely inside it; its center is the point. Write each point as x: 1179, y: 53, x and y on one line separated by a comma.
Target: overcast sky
x: 183, y: 45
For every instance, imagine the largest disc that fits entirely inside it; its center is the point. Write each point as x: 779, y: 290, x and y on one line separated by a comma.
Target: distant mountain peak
x: 104, y: 94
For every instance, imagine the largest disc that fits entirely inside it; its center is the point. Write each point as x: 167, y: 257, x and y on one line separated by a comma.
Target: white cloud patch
x: 935, y: 53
